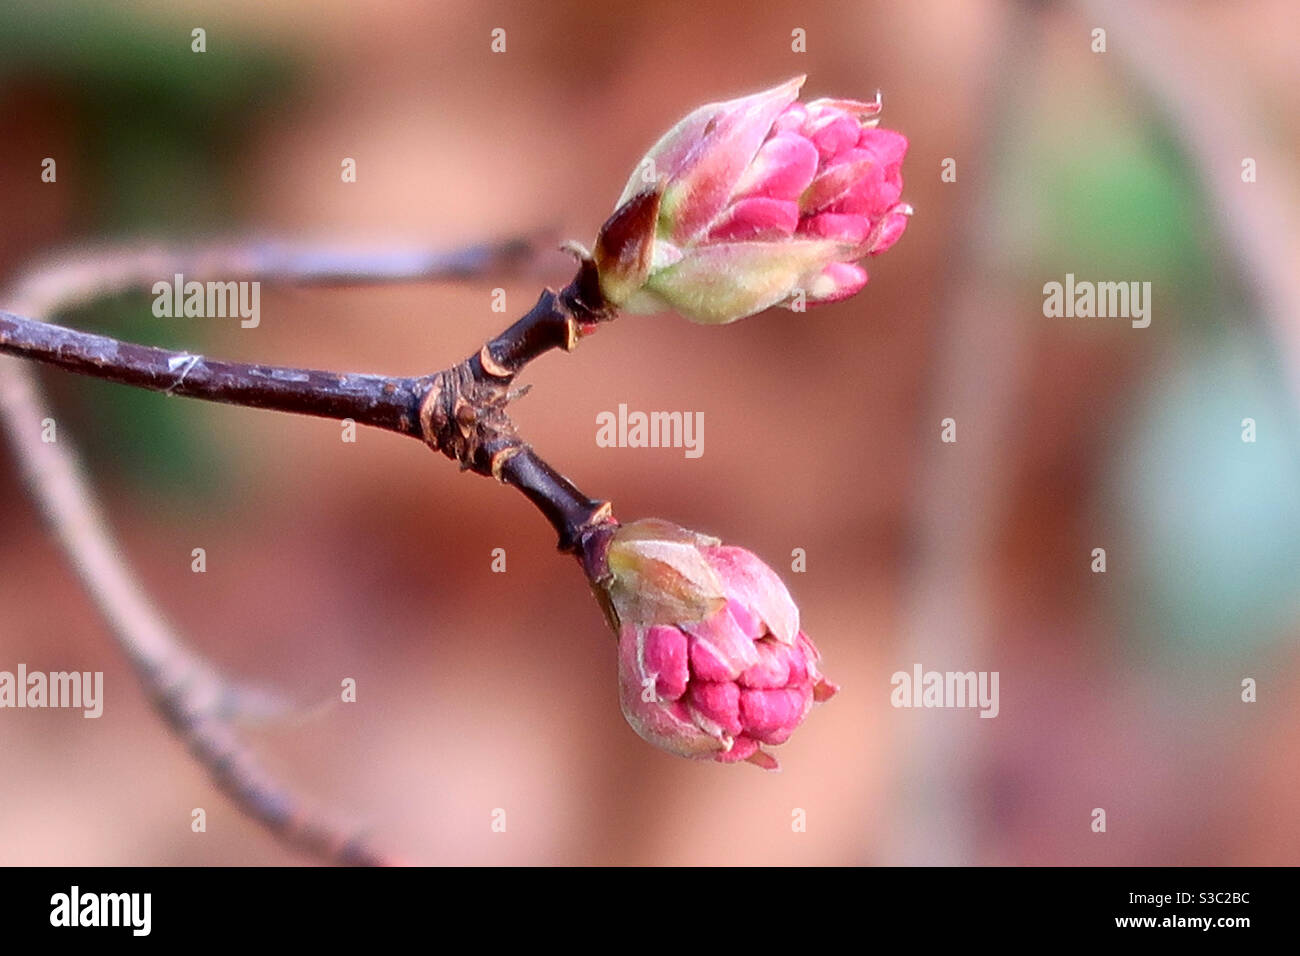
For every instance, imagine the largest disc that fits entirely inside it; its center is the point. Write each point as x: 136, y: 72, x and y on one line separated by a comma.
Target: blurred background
x: 478, y: 690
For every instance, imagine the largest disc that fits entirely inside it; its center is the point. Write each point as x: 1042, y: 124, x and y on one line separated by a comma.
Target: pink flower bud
x: 711, y: 661
x: 745, y: 204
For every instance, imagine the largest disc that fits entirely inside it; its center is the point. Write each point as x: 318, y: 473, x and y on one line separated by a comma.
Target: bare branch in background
x: 201, y: 704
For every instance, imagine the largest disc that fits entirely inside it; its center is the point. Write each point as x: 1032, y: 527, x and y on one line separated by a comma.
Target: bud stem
x: 570, y: 512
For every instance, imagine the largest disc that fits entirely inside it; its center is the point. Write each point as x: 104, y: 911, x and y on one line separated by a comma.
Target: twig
x: 392, y: 404
x: 388, y: 403
x: 459, y: 411
x: 192, y: 696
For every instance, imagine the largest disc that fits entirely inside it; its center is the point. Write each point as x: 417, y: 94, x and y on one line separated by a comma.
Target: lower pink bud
x: 720, y: 687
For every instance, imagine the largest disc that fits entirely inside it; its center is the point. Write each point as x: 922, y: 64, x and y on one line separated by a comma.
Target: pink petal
x: 872, y: 196
x: 670, y: 725
x: 706, y: 130
x: 888, y: 146
x: 823, y: 689
x: 718, y: 702
x: 888, y: 231
x: 833, y: 133
x: 719, y: 641
x: 840, y: 179
x: 757, y: 218
x: 664, y: 657
x: 761, y: 758
x: 838, y: 281
x: 775, y: 736
x: 804, y: 644
x: 752, y: 583
x: 746, y: 620
x: 725, y: 147
x: 798, y: 665
x: 792, y: 120
x: 878, y: 189
x: 773, y: 667
x: 765, y: 711
x: 849, y: 229
x: 742, y: 748
x: 783, y: 168
x: 708, y: 664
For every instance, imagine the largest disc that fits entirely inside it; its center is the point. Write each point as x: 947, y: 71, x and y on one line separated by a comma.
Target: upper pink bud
x: 712, y: 661
x: 748, y: 203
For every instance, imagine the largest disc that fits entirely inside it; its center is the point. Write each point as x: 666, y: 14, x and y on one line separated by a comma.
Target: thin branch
x: 75, y: 276
x: 193, y: 696
x: 459, y: 410
x: 389, y: 403
x: 570, y: 512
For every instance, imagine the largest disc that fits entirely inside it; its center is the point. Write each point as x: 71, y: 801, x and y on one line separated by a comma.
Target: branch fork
x: 459, y: 411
